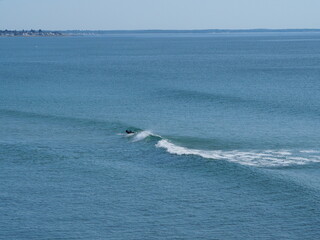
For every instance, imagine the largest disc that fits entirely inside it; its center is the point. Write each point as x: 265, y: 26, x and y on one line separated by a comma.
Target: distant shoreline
x: 29, y: 33
x: 50, y: 33
x: 203, y: 31
x: 197, y: 30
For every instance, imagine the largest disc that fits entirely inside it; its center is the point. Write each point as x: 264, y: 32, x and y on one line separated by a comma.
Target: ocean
x: 225, y: 144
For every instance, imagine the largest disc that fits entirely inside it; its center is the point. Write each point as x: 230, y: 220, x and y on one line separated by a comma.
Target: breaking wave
x: 257, y: 158
x: 143, y: 135
x: 266, y: 158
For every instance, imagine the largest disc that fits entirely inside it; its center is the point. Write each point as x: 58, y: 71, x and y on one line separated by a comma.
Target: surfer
x: 129, y: 131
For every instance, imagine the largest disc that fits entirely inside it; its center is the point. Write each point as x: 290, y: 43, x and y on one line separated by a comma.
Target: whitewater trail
x: 262, y: 158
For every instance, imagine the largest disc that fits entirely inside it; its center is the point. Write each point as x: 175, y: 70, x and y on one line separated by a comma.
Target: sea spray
x: 143, y: 135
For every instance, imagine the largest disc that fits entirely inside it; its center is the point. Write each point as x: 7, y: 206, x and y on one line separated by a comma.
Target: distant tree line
x: 28, y: 33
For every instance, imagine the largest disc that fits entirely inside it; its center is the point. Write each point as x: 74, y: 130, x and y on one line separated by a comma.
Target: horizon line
x: 204, y: 29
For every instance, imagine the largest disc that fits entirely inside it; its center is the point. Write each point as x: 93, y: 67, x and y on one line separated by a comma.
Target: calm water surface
x: 226, y: 144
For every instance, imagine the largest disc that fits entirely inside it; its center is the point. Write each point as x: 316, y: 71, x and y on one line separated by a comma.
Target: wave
x: 262, y: 158
x: 266, y: 158
x: 143, y: 135
x: 256, y: 158
x: 283, y: 107
x: 105, y: 125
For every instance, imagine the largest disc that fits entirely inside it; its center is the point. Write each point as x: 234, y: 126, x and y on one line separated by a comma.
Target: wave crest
x: 143, y: 135
x: 267, y: 158
x: 256, y: 158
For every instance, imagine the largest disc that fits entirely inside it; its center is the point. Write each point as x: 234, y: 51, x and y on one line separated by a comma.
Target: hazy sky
x: 158, y: 14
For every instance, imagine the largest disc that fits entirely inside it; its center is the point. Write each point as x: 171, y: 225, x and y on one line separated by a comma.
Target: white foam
x: 309, y: 151
x: 143, y: 135
x: 125, y: 134
x: 267, y: 158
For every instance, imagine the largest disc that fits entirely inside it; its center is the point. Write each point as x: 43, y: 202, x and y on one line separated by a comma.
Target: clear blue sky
x: 158, y: 14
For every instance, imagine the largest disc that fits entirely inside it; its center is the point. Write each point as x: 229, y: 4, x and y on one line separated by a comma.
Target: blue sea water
x: 226, y: 143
